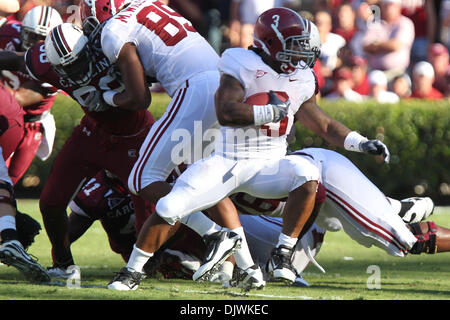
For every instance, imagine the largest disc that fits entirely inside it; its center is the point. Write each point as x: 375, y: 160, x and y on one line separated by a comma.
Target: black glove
x: 280, y: 108
x: 375, y: 147
x: 27, y: 229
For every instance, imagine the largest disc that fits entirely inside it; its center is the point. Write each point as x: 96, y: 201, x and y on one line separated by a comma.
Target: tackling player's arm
x: 12, y: 61
x: 29, y: 94
x: 136, y: 95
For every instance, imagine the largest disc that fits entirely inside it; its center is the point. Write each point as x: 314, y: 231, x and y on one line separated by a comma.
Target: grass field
x: 424, y: 277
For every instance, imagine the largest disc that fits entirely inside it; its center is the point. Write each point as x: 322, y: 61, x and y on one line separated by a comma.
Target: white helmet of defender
x: 314, y: 42
x: 37, y: 23
x: 69, y: 54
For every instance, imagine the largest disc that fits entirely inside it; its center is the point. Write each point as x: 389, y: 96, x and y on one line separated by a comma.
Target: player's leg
x: 430, y: 238
x: 68, y: 172
x: 25, y: 151
x: 251, y: 276
x: 362, y: 209
x: 297, y: 178
x: 12, y: 251
x: 190, y: 194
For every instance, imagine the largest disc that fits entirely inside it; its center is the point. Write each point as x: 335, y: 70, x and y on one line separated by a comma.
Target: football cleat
x: 251, y: 278
x: 300, y: 282
x: 279, y: 265
x: 126, y: 280
x: 416, y: 209
x: 219, y: 246
x: 69, y: 272
x: 13, y: 254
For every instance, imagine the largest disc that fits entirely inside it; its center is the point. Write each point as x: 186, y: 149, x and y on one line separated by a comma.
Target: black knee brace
x: 426, y: 242
x: 5, y: 199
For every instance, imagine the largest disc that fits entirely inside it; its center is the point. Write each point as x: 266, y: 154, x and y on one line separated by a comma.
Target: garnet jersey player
x: 107, y: 139
x: 34, y: 96
x: 12, y: 251
x: 105, y: 198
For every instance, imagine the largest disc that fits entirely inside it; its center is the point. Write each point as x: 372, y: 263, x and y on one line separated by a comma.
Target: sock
x: 395, y: 204
x: 286, y: 241
x: 243, y: 256
x: 227, y: 268
x: 138, y: 258
x: 8, y: 228
x: 200, y: 223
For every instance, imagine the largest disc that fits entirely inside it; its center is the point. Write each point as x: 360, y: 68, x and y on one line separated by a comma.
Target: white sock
x: 227, y: 268
x: 138, y: 258
x: 286, y: 241
x: 395, y: 204
x: 7, y: 222
x: 243, y: 256
x: 200, y: 223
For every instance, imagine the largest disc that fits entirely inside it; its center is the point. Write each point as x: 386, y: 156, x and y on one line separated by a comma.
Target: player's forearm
x: 12, y: 61
x: 26, y: 97
x: 235, y: 114
x: 127, y: 101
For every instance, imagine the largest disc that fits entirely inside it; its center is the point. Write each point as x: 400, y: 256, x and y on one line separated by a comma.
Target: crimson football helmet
x: 285, y: 36
x: 67, y: 50
x: 95, y: 12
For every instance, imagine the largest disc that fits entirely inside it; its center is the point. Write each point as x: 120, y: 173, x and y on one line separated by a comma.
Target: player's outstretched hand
x: 376, y: 147
x: 280, y: 108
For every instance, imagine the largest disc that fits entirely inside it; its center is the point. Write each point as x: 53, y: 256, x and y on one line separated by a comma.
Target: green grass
x: 421, y: 277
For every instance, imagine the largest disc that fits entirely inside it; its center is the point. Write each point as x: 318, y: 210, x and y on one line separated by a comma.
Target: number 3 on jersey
x: 170, y: 27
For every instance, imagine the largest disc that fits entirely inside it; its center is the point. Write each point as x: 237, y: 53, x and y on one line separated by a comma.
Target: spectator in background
x: 27, y: 5
x: 423, y: 15
x: 361, y: 84
x: 343, y: 80
x: 387, y: 43
x: 378, y: 88
x: 423, y: 79
x: 331, y: 43
x: 401, y: 86
x: 243, y: 15
x: 438, y: 56
x: 444, y: 25
x: 345, y: 22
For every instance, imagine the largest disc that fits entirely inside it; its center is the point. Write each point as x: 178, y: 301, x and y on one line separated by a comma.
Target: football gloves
x: 375, y: 147
x: 280, y: 108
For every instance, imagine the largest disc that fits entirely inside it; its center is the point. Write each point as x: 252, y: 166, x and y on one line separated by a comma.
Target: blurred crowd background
x: 385, y: 50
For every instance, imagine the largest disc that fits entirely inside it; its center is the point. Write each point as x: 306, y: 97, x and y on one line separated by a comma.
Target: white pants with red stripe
x: 178, y: 135
x: 209, y: 180
x: 262, y: 234
x: 362, y: 209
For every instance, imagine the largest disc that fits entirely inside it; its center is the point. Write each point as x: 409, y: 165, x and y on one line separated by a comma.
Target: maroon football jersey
x: 114, y: 120
x: 10, y: 40
x: 106, y: 199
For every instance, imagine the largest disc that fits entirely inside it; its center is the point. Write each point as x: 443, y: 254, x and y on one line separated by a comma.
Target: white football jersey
x: 168, y: 46
x: 269, y: 140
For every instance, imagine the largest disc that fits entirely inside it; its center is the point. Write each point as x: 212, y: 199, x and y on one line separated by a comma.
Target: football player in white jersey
x: 149, y: 40
x: 281, y: 61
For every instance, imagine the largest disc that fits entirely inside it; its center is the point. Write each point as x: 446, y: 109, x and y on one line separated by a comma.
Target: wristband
x: 263, y: 114
x: 108, y: 96
x: 353, y: 141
